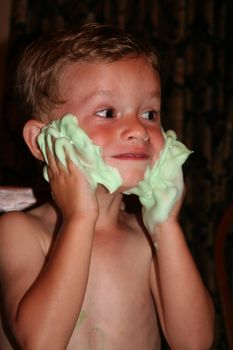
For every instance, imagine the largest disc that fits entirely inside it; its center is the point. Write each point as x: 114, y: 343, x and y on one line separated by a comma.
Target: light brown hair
x: 43, y: 61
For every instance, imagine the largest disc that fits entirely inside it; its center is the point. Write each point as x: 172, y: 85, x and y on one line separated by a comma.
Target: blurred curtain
x: 194, y: 38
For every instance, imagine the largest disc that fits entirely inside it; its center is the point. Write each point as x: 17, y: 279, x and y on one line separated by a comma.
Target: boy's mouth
x: 131, y: 156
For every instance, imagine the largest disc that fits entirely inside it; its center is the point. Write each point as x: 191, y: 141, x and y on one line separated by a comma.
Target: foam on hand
x: 65, y: 138
x: 163, y: 184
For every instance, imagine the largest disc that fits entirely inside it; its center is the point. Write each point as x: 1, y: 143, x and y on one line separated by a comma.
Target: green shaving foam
x: 158, y: 191
x: 82, y: 317
x: 64, y: 137
x: 163, y: 183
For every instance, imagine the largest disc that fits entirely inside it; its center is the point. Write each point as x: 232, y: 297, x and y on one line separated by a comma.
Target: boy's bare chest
x: 118, y: 310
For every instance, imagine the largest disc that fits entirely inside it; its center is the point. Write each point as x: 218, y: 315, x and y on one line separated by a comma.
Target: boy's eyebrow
x: 95, y: 93
x: 99, y: 92
x: 150, y: 94
x: 155, y: 93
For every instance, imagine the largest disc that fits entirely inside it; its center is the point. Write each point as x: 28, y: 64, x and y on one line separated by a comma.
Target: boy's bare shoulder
x: 36, y: 224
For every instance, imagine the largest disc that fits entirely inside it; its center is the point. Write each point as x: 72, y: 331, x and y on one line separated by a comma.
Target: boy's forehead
x: 124, y: 83
x: 80, y: 65
x: 96, y: 72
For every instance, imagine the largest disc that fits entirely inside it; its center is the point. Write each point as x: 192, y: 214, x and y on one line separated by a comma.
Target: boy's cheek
x: 97, y: 137
x: 158, y: 142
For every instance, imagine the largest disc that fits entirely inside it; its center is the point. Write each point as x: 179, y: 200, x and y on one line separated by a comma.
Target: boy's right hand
x: 71, y: 190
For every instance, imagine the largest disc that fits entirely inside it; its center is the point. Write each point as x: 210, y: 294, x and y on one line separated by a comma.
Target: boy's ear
x: 31, y: 130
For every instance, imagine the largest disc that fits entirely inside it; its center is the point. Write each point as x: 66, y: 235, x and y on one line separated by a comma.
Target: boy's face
x: 118, y: 105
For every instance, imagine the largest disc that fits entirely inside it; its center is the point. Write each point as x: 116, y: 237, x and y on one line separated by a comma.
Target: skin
x: 95, y: 260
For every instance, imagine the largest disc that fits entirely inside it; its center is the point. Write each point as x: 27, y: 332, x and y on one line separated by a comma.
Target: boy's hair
x: 39, y: 70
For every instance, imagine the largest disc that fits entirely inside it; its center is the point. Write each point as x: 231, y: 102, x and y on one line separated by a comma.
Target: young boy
x: 81, y: 273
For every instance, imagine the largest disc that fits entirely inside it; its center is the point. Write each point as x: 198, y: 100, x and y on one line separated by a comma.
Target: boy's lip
x: 131, y: 156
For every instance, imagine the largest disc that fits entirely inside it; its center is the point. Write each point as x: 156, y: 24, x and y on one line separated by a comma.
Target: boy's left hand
x: 161, y: 191
x: 163, y: 203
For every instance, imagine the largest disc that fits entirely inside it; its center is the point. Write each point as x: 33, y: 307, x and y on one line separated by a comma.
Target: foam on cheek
x: 163, y: 184
x: 64, y: 137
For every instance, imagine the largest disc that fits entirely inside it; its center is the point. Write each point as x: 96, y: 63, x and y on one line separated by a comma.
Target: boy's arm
x: 37, y: 293
x: 184, y: 305
x: 43, y: 298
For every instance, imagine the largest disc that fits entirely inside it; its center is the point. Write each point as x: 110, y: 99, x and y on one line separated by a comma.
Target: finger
x: 70, y: 164
x: 52, y: 163
x: 55, y: 158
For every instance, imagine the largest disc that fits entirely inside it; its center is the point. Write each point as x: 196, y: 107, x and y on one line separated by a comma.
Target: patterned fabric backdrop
x: 194, y: 38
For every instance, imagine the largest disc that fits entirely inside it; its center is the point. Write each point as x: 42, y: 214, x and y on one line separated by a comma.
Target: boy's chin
x: 131, y: 180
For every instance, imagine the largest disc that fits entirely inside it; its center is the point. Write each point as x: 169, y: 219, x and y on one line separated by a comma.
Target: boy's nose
x: 135, y: 130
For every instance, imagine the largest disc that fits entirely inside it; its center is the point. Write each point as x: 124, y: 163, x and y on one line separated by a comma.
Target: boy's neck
x: 110, y: 206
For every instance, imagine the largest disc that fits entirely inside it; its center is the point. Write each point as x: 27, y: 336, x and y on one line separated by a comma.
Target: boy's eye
x: 106, y: 113
x: 150, y: 115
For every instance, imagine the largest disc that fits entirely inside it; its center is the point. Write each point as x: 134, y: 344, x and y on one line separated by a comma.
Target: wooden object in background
x: 224, y: 272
